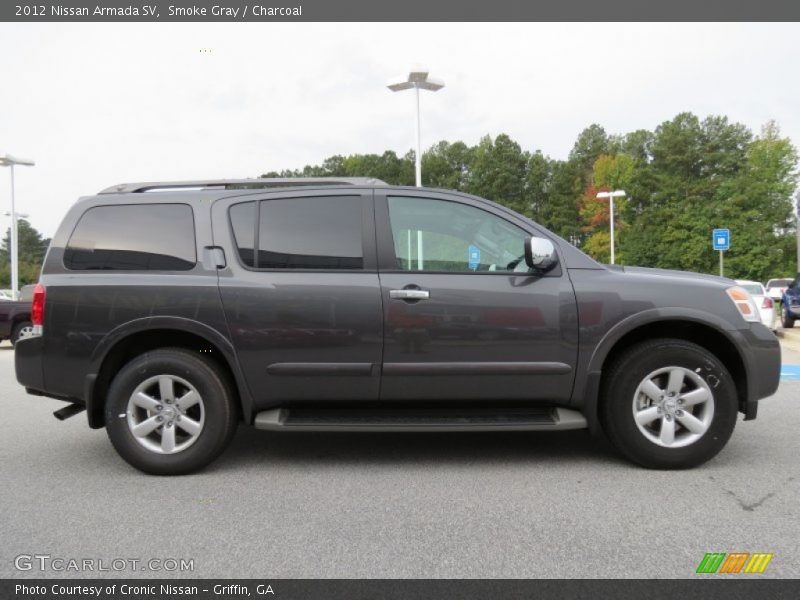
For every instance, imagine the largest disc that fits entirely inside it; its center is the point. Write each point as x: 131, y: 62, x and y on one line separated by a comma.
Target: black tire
x: 787, y: 322
x: 19, y: 330
x: 220, y: 411
x: 633, y: 368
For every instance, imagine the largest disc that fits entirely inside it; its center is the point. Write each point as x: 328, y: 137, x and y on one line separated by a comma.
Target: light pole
x: 797, y: 226
x: 417, y: 80
x: 10, y: 161
x: 611, y: 196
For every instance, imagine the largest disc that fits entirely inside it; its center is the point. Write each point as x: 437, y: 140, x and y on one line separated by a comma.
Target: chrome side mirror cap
x: 540, y: 254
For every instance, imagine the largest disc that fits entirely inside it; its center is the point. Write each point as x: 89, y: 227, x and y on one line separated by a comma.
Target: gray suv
x: 171, y: 312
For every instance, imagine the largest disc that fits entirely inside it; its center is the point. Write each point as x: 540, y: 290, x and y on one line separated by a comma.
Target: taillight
x: 37, y: 309
x: 767, y: 303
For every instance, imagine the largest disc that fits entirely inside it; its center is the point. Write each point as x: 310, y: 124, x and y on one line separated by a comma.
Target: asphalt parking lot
x: 397, y: 505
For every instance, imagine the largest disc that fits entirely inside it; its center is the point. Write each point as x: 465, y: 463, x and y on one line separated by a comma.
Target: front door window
x: 441, y: 236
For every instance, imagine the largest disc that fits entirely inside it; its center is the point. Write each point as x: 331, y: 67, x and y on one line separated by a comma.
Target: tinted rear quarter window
x: 133, y: 237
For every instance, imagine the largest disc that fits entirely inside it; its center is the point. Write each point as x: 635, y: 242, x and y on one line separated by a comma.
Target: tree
x: 448, y: 165
x: 609, y: 173
x: 498, y: 172
x: 538, y: 185
x: 759, y: 202
x: 682, y: 180
x: 562, y: 213
x: 591, y: 143
x: 31, y: 248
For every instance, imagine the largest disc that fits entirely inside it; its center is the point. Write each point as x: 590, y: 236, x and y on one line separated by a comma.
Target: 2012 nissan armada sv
x: 170, y: 312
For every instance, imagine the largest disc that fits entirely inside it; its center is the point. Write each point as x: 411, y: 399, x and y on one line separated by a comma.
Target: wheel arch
x: 142, y: 335
x: 20, y: 318
x: 704, y: 329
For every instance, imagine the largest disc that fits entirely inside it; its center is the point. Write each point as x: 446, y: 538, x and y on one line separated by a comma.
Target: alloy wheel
x: 673, y: 407
x: 165, y: 414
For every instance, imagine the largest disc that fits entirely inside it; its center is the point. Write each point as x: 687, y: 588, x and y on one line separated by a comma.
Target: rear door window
x: 317, y: 233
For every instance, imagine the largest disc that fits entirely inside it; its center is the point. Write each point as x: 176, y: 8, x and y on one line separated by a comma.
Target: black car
x: 15, y: 318
x: 173, y: 311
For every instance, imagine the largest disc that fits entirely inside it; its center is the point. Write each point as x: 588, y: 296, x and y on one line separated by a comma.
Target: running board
x: 367, y: 419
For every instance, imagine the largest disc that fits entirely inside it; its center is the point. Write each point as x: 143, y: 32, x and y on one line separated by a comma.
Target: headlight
x: 744, y: 303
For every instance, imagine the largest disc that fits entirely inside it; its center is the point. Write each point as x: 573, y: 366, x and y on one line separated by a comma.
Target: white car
x: 776, y: 287
x: 763, y: 300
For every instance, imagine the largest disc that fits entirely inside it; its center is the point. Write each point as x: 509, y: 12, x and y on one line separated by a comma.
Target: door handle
x: 409, y: 294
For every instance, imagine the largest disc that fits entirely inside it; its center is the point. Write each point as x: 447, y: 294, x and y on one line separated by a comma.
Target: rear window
x: 777, y: 283
x: 753, y: 288
x: 133, y: 237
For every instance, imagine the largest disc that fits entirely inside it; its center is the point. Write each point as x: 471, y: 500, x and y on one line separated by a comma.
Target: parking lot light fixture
x: 418, y: 79
x: 611, y: 196
x: 7, y: 160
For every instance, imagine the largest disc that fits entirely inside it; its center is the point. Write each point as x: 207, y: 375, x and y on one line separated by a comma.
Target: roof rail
x: 237, y: 184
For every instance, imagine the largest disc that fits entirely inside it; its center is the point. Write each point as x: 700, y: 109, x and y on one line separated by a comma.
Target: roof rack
x: 237, y: 184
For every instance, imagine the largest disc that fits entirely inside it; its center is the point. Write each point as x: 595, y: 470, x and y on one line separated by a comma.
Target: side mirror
x: 540, y: 254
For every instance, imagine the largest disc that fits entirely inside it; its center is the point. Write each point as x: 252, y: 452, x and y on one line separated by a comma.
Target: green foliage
x: 609, y: 173
x: 31, y: 246
x: 498, y: 172
x: 682, y: 180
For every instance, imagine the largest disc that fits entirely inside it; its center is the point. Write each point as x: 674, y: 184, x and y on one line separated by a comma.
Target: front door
x: 465, y: 319
x: 301, y: 294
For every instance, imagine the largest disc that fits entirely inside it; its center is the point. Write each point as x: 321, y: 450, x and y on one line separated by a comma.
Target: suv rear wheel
x: 170, y: 412
x: 668, y: 404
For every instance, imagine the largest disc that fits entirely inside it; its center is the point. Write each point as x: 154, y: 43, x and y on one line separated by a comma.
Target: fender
x: 588, y: 396
x: 211, y: 335
x: 654, y: 315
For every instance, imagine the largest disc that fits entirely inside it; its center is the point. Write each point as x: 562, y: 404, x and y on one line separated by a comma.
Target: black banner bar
x: 399, y: 589
x: 403, y: 10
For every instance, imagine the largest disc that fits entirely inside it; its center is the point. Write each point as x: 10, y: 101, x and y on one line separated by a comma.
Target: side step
x: 377, y: 419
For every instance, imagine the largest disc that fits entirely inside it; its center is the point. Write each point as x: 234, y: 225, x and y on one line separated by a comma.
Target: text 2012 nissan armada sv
x: 173, y: 311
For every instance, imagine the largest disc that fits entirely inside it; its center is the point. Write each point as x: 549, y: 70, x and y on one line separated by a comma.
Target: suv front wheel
x: 170, y: 412
x: 668, y: 404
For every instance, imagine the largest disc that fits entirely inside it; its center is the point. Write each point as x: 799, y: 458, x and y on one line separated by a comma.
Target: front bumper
x: 761, y: 354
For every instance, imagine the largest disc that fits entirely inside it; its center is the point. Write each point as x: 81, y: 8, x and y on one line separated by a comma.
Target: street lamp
x: 417, y: 80
x: 11, y: 161
x: 611, y: 196
x: 797, y: 226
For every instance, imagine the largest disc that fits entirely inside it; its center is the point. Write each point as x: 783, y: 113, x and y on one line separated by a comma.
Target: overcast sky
x: 98, y: 104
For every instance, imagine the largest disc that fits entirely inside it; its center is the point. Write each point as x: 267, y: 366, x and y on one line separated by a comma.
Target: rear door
x: 464, y: 317
x: 301, y: 294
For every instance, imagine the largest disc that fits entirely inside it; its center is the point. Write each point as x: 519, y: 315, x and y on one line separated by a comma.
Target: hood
x: 672, y: 273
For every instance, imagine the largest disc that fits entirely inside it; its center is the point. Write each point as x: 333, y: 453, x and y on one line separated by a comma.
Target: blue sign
x: 722, y: 239
x: 474, y: 257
